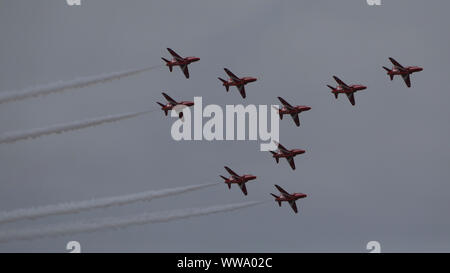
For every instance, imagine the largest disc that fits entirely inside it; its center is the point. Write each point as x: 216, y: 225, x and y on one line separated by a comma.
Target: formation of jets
x: 286, y: 109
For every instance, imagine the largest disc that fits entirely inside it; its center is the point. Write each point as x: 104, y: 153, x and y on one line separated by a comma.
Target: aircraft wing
x: 293, y: 206
x: 407, y: 79
x: 230, y: 171
x: 291, y: 162
x: 232, y: 76
x: 185, y: 70
x: 175, y: 55
x: 241, y: 89
x: 243, y: 188
x: 280, y: 189
x: 396, y: 64
x: 296, y: 119
x: 285, y: 103
x: 351, y: 98
x: 169, y: 99
x: 340, y: 82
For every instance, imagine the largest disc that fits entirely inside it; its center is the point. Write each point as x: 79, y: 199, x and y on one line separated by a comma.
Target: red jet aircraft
x: 288, y: 154
x: 294, y: 111
x: 236, y: 81
x: 237, y: 179
x: 174, y: 105
x: 346, y: 89
x: 288, y: 197
x: 405, y: 72
x: 180, y: 61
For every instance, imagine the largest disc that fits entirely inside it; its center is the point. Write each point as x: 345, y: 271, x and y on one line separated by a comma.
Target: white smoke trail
x: 116, y: 223
x: 61, y: 128
x: 73, y: 84
x: 75, y: 207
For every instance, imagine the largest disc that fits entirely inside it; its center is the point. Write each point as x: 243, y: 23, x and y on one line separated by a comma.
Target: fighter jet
x: 346, y: 89
x: 236, y: 81
x: 288, y: 154
x: 294, y: 111
x: 237, y: 179
x: 180, y: 61
x: 288, y: 197
x: 405, y: 72
x: 174, y: 105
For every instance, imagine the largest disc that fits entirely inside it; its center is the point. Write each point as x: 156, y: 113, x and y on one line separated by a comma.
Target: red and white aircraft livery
x: 180, y: 61
x: 237, y: 179
x: 174, y: 105
x: 405, y: 72
x: 346, y: 89
x: 288, y: 197
x: 288, y: 154
x: 236, y: 81
x: 294, y: 111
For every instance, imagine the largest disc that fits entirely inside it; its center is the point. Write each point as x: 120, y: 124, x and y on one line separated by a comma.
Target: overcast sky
x: 375, y: 171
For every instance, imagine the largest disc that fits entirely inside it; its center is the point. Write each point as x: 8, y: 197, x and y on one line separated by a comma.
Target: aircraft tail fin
x: 332, y: 90
x: 388, y: 70
x: 276, y: 158
x: 279, y: 202
x: 167, y: 63
x: 228, y: 184
x: 162, y: 105
x: 279, y: 112
x: 224, y: 83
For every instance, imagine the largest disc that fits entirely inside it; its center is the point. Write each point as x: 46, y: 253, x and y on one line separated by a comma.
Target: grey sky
x: 376, y: 171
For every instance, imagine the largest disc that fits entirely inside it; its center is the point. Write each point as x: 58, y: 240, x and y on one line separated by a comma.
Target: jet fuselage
x: 405, y: 71
x: 351, y: 89
x: 242, y: 179
x: 184, y: 61
x: 290, y: 153
x: 290, y: 197
x: 295, y: 110
x: 170, y: 106
x: 241, y: 81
